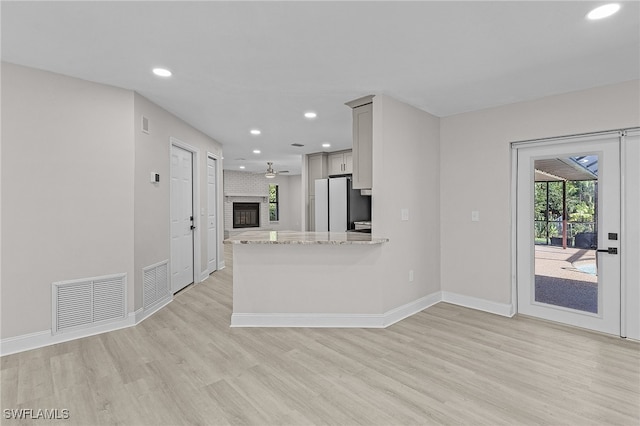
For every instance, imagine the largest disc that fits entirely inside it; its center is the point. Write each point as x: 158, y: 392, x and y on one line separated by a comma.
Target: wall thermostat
x: 155, y: 177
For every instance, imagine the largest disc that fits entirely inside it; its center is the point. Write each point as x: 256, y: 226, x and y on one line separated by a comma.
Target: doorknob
x: 609, y: 250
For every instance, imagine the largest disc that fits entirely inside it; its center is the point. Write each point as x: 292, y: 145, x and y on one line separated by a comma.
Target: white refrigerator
x: 338, y: 205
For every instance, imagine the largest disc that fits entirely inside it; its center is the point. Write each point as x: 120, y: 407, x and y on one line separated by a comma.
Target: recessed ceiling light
x: 603, y: 11
x: 310, y: 114
x: 242, y: 167
x: 162, y: 72
x: 256, y: 151
x: 326, y: 145
x: 255, y: 131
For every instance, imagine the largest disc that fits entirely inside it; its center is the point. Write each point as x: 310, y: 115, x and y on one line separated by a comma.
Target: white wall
x: 406, y: 176
x: 476, y: 174
x: 152, y: 151
x: 67, y: 193
x: 289, y: 193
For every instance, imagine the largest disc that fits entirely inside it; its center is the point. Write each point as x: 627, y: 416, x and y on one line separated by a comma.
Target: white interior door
x: 568, y: 266
x: 182, y: 220
x: 212, y: 206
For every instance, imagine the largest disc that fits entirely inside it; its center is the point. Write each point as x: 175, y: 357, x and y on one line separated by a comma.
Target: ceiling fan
x: 270, y: 174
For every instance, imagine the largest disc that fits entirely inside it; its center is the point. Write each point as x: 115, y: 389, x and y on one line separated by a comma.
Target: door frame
x: 196, y: 206
x: 514, y: 146
x: 220, y: 264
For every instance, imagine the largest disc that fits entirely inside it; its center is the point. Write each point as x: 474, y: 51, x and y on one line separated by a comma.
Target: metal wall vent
x: 297, y: 145
x: 156, y: 283
x: 87, y: 302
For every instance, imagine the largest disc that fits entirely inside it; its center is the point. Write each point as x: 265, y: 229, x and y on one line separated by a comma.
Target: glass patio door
x: 568, y: 231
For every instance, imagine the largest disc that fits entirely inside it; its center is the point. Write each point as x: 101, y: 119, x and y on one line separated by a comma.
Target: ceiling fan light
x: 270, y: 172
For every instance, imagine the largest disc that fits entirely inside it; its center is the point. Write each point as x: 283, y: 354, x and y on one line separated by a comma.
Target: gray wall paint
x: 67, y: 192
x: 406, y: 176
x: 152, y: 241
x: 77, y: 200
x: 476, y: 174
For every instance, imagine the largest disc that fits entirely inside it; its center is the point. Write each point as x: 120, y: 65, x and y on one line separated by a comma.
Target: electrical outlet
x: 411, y: 276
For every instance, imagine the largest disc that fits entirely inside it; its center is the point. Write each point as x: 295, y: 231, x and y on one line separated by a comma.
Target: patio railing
x: 579, y: 234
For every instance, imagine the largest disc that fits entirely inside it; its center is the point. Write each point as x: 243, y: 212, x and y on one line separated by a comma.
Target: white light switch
x: 404, y: 213
x: 475, y: 216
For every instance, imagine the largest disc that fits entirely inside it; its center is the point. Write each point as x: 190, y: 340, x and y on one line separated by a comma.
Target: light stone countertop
x: 307, y: 238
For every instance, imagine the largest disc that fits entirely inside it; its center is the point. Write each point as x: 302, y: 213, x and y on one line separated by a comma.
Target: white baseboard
x: 143, y: 314
x: 335, y: 320
x: 308, y: 320
x: 411, y: 308
x: 26, y: 342
x: 40, y: 339
x: 503, y: 309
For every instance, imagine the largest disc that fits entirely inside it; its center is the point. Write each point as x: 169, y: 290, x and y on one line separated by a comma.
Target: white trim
x: 196, y: 205
x: 204, y: 275
x: 411, y: 308
x: 40, y: 339
x: 558, y: 140
x: 142, y: 314
x: 27, y: 342
x: 220, y: 211
x: 622, y: 235
x: 514, y: 230
x: 335, y: 320
x: 308, y: 320
x: 503, y: 309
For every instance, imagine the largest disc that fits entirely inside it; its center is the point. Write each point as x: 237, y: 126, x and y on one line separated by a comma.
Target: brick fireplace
x: 246, y: 215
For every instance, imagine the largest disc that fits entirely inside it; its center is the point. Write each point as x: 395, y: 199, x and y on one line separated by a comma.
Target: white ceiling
x: 243, y: 65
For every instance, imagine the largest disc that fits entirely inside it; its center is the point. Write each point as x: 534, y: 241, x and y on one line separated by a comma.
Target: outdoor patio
x: 566, y: 277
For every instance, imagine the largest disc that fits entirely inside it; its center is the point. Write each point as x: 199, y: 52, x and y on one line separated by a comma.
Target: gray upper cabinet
x: 362, y: 142
x: 317, y: 169
x: 340, y: 163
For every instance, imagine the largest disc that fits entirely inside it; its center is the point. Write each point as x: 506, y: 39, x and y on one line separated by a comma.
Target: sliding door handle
x: 609, y: 250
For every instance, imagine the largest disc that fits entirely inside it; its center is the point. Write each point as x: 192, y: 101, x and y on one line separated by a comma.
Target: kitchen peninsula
x: 306, y: 279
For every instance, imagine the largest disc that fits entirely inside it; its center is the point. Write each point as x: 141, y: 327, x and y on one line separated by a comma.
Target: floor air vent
x: 83, y: 303
x: 156, y: 283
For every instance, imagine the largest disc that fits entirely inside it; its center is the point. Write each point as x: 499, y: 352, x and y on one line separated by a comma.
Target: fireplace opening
x: 246, y: 215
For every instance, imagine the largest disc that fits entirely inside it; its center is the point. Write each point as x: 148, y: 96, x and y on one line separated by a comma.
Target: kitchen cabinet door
x: 348, y: 162
x: 336, y: 164
x: 363, y: 146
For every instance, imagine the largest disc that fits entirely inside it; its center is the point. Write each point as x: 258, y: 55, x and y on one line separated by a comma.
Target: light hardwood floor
x: 445, y: 365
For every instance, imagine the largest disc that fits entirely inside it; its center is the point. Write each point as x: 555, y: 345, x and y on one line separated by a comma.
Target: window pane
x: 273, y: 203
